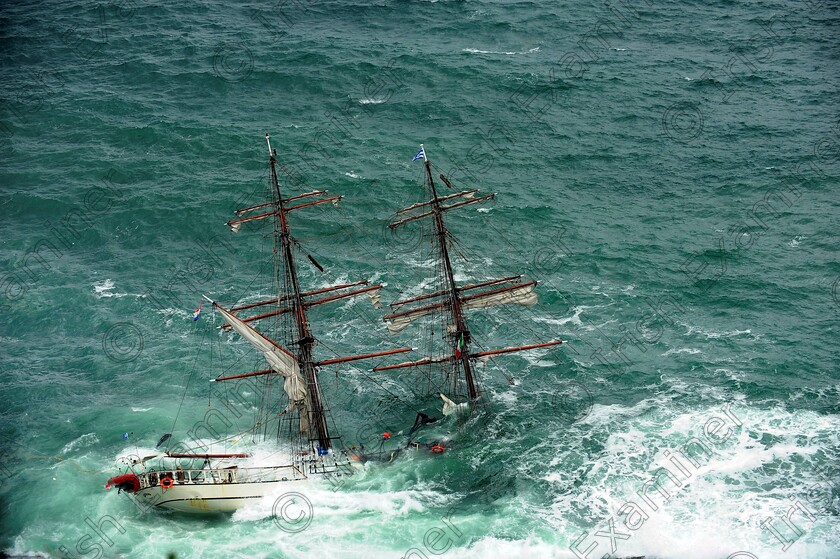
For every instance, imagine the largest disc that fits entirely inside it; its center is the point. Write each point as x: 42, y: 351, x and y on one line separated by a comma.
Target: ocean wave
x: 87, y: 439
x: 506, y: 53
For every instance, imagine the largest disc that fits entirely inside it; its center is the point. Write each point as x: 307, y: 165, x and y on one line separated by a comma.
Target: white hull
x: 208, y: 498
x: 219, y: 490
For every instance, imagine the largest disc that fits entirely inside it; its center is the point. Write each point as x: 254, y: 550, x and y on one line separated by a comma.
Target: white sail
x: 522, y: 295
x: 279, y: 361
x: 450, y: 407
x: 399, y: 323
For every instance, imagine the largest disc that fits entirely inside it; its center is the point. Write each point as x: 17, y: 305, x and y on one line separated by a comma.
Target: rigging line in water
x: 398, y: 398
x: 242, y: 357
x: 189, y: 379
x: 239, y: 434
x: 354, y: 227
x: 248, y: 287
x: 510, y: 312
x: 496, y: 365
x: 69, y: 460
x: 238, y: 360
x: 492, y: 359
x: 428, y: 332
x: 376, y: 326
x: 228, y: 403
x: 549, y: 284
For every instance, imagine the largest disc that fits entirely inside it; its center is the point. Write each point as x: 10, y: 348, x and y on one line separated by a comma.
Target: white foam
x: 478, y: 51
x: 495, y: 548
x: 103, y: 289
x: 574, y: 319
x: 87, y: 439
x: 715, y: 335
x: 759, y: 471
x: 688, y: 350
x: 506, y: 53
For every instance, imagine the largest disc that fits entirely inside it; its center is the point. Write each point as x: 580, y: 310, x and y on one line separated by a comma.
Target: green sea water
x: 668, y: 172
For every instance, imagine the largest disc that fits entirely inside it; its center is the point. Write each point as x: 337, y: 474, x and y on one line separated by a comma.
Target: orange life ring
x: 166, y: 482
x: 437, y: 449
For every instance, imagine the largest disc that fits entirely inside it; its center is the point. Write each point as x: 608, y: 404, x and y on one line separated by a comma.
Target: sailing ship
x: 452, y: 372
x: 310, y: 443
x: 311, y: 447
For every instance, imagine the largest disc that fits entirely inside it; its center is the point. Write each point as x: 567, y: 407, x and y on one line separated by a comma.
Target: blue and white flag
x: 420, y: 155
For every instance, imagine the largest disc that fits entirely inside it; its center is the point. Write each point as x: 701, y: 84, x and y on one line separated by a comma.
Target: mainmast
x: 462, y: 334
x: 513, y: 289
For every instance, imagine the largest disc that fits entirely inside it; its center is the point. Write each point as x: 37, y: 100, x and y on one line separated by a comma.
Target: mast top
x: 267, y: 141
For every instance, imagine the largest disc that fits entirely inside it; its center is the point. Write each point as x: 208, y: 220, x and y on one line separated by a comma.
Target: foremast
x: 300, y: 369
x: 305, y: 340
x: 455, y: 298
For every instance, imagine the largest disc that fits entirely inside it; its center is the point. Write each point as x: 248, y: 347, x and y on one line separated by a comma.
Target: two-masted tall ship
x: 310, y: 445
x: 300, y: 423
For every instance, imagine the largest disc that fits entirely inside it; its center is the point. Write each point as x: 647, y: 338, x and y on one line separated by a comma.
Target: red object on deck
x: 126, y: 482
x: 386, y: 435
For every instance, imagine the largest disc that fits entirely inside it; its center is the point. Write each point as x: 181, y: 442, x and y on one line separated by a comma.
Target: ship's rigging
x: 452, y: 300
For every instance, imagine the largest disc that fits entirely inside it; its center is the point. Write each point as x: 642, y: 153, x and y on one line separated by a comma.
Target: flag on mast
x: 420, y: 154
x: 459, y: 347
x: 197, y: 311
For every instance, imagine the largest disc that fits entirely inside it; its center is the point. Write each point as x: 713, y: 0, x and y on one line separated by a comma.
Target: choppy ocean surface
x: 668, y: 171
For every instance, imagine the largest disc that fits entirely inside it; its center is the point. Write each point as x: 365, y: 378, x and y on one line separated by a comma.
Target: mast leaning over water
x: 462, y: 334
x: 513, y: 290
x: 313, y: 450
x: 305, y: 341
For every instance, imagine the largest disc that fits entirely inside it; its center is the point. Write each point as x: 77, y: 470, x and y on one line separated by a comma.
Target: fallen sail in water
x: 450, y: 407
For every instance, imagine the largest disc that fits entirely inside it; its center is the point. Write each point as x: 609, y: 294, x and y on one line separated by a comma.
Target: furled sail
x: 280, y: 361
x: 518, y: 294
x: 398, y: 322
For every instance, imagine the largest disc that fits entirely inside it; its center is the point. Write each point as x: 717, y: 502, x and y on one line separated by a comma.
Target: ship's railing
x: 210, y: 476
